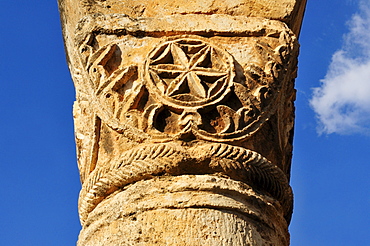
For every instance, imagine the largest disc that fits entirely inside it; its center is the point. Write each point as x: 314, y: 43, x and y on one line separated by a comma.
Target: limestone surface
x: 184, y: 119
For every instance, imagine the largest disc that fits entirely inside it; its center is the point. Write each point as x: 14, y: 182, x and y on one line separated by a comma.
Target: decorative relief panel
x: 187, y: 86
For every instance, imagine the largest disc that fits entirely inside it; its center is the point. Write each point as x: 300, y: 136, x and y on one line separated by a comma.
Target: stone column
x: 184, y: 119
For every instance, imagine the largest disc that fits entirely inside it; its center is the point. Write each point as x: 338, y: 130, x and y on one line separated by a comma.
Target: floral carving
x: 189, y: 72
x: 188, y: 88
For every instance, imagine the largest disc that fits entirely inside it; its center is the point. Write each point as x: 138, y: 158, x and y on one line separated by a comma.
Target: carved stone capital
x: 185, y: 114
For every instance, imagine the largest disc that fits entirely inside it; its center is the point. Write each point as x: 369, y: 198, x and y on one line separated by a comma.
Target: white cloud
x: 342, y: 102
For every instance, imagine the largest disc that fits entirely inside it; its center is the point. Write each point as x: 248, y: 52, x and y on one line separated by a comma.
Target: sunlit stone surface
x: 184, y: 119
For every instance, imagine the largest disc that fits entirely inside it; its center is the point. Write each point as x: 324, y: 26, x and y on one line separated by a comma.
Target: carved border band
x: 148, y: 161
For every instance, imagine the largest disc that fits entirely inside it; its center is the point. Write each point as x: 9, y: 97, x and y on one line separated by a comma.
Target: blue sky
x: 330, y: 173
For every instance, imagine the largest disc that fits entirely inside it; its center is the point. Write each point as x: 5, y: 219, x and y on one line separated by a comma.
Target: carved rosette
x: 173, y: 97
x: 189, y: 73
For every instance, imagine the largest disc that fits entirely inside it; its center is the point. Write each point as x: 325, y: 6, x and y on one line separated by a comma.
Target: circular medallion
x: 188, y: 72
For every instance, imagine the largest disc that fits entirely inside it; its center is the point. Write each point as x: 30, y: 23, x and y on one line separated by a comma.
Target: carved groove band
x: 208, y: 25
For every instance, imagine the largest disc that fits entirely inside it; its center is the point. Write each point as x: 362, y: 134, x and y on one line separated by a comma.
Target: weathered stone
x: 184, y: 119
x: 186, y: 210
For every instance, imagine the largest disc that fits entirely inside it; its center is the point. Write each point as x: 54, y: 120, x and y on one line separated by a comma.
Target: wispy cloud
x: 342, y: 102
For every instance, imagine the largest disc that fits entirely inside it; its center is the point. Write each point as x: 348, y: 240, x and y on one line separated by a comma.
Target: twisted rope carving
x: 253, y: 169
x: 136, y: 164
x: 156, y: 159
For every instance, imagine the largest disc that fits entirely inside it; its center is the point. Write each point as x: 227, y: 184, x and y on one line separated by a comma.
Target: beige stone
x: 184, y: 119
x: 186, y: 210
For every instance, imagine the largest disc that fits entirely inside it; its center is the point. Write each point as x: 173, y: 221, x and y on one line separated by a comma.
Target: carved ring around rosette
x: 189, y: 72
x: 196, y: 90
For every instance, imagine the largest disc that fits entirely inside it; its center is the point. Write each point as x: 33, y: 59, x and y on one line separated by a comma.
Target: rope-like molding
x: 136, y: 164
x: 254, y: 170
x: 147, y: 161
